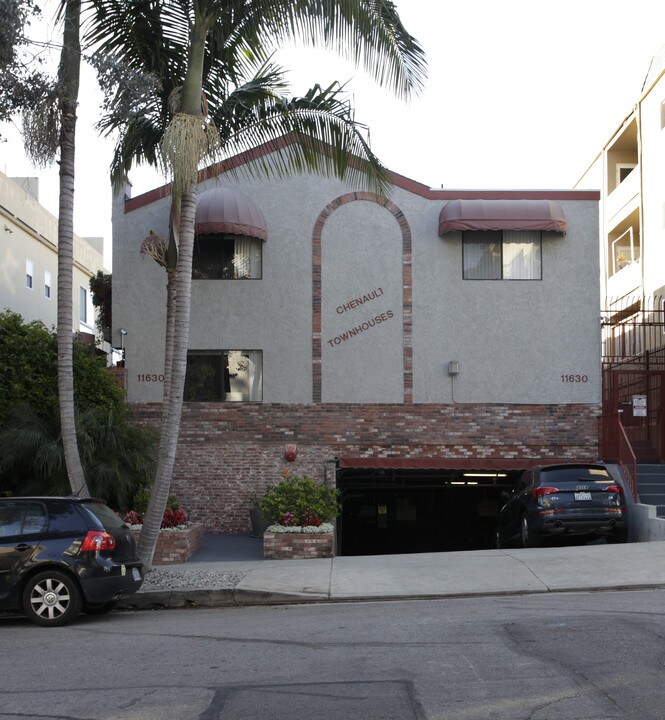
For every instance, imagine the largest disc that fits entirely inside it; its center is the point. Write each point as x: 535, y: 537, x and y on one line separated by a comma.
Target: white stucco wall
x: 29, y: 232
x: 516, y: 341
x: 361, y: 306
x: 652, y: 182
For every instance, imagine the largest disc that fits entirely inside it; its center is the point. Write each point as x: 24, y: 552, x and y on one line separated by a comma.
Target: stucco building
x: 417, y: 351
x: 29, y: 259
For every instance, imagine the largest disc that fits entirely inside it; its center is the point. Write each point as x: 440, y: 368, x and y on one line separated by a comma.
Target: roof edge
x: 399, y: 181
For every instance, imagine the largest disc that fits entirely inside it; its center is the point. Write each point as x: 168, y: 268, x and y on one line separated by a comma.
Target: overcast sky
x: 520, y: 94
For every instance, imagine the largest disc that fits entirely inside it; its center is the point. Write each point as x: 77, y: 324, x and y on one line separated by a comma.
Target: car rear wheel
x: 51, y: 598
x: 530, y: 539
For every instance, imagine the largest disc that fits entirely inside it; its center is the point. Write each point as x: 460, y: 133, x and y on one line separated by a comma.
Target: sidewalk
x: 391, y: 577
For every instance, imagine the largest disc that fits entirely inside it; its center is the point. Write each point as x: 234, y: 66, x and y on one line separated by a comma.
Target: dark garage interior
x: 389, y: 510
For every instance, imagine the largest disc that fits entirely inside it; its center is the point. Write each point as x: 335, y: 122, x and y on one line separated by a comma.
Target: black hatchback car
x: 563, y: 500
x: 61, y: 555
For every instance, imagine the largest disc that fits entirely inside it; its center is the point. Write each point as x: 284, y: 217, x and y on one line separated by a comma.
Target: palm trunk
x: 172, y: 409
x: 171, y: 292
x: 170, y: 426
x: 69, y: 70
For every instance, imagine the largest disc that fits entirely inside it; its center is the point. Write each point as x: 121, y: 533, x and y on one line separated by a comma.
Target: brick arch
x: 407, y: 294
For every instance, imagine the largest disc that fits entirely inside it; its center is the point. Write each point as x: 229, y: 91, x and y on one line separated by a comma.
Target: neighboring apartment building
x: 29, y: 259
x: 418, y: 351
x: 630, y: 170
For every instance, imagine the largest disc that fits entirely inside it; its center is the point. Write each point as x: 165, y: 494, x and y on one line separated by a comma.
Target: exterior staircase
x: 651, y: 486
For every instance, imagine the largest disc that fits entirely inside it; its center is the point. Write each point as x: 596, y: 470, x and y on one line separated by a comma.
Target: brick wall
x: 176, y: 547
x: 228, y: 451
x: 292, y: 546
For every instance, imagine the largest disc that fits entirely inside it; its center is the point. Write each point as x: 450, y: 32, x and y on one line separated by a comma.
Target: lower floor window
x: 502, y: 255
x: 224, y: 375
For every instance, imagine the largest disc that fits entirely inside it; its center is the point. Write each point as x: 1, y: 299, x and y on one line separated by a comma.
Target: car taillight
x: 96, y: 540
x: 540, y: 491
x: 614, y: 489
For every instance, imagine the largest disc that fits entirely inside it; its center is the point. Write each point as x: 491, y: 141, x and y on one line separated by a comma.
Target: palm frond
x: 329, y: 140
x: 153, y: 35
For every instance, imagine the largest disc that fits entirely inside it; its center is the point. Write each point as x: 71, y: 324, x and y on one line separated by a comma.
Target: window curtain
x: 522, y: 255
x: 245, y: 375
x: 247, y: 257
x: 255, y: 375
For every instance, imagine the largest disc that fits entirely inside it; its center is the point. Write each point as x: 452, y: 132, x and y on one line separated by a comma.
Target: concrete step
x: 651, y: 485
x: 647, y: 486
x: 652, y: 473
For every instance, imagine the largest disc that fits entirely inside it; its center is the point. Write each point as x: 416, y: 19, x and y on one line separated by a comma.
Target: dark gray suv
x: 566, y: 500
x: 61, y: 555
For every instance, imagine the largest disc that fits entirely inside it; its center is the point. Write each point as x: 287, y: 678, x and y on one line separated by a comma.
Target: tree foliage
x: 300, y: 499
x: 23, y: 83
x: 101, y: 287
x: 28, y: 370
x: 117, y: 458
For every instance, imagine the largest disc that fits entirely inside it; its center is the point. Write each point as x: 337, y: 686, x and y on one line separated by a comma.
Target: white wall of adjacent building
x: 29, y: 258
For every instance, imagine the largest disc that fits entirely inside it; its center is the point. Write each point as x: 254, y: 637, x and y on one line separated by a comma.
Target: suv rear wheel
x: 51, y: 598
x: 530, y: 539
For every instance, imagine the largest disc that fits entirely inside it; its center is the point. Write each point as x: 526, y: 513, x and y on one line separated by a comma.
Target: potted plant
x: 178, y: 538
x: 302, y: 513
x: 297, y: 501
x: 256, y: 518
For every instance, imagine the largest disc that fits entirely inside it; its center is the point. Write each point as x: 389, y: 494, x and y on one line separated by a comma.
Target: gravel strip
x: 192, y: 579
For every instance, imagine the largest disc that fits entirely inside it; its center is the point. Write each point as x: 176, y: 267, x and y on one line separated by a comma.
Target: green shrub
x: 142, y: 497
x: 300, y: 501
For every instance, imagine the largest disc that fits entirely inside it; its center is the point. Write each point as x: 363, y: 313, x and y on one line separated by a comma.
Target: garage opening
x: 392, y: 509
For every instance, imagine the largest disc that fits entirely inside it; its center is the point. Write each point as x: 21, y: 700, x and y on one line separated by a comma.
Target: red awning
x: 226, y: 210
x: 502, y: 215
x: 432, y: 463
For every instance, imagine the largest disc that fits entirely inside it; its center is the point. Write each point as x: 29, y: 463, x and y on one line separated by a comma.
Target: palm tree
x: 68, y: 81
x: 49, y: 124
x: 201, y: 50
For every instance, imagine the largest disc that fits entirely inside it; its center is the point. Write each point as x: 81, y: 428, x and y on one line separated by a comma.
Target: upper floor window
x: 502, y: 255
x: 29, y: 274
x: 227, y: 257
x: 47, y: 284
x: 623, y: 244
x: 224, y: 375
x: 83, y: 304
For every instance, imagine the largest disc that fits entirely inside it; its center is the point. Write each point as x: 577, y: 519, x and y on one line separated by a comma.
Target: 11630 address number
x: 574, y: 378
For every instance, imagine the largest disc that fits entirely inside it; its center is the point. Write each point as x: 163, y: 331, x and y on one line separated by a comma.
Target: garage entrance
x: 389, y: 510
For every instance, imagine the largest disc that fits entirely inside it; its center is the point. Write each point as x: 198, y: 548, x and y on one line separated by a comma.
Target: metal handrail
x: 616, y: 447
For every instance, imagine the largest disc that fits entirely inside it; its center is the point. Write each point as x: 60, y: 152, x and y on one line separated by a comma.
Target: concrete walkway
x: 425, y: 575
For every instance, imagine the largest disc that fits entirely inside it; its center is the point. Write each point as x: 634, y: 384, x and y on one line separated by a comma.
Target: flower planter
x: 298, y: 546
x: 176, y: 546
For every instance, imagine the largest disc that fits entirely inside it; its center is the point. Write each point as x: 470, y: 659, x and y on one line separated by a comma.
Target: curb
x: 165, y: 599
x: 174, y: 599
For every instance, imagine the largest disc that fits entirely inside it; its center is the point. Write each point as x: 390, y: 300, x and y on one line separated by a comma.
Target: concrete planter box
x: 298, y: 546
x: 176, y: 546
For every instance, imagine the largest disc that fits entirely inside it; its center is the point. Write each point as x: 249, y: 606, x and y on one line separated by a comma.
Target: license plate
x: 136, y: 574
x: 582, y: 496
